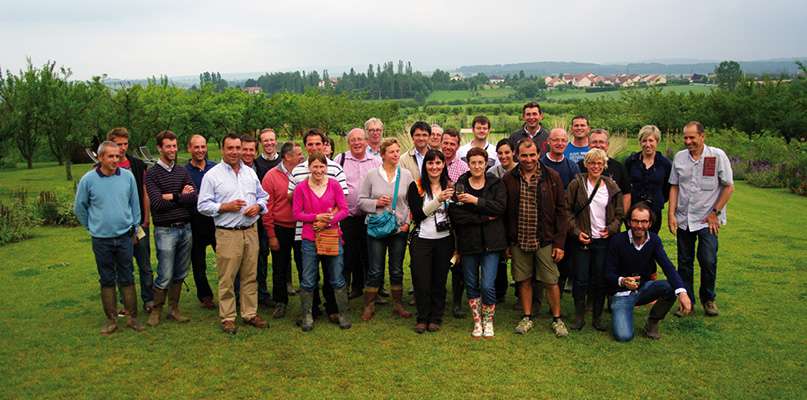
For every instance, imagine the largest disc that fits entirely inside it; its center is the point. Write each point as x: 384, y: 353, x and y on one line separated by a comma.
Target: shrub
x: 56, y: 209
x: 17, y: 219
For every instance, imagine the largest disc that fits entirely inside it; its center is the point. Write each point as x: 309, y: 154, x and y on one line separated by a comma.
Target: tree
x: 528, y: 89
x: 728, y: 74
x: 24, y: 103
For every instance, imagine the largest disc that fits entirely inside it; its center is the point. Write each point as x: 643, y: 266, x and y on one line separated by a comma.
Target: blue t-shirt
x: 575, y: 153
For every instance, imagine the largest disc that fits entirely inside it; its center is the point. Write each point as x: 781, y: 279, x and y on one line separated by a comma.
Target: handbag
x: 385, y: 224
x: 327, y: 242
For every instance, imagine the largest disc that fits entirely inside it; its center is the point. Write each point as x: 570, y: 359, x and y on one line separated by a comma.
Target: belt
x: 173, y: 225
x: 235, y: 228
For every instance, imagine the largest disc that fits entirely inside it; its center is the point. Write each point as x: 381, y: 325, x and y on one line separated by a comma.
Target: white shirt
x: 428, y: 227
x: 597, y: 208
x: 493, y: 158
x: 221, y: 185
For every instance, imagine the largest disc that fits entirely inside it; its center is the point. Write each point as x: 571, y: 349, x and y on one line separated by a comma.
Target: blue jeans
x: 173, y: 254
x: 377, y: 251
x: 488, y: 264
x: 707, y: 259
x: 113, y: 257
x: 142, y: 255
x: 310, y: 272
x: 622, y: 306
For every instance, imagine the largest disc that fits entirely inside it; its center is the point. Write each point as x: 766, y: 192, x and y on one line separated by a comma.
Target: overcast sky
x: 182, y: 37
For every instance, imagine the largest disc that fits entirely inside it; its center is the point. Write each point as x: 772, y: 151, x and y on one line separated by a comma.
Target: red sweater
x: 278, y: 207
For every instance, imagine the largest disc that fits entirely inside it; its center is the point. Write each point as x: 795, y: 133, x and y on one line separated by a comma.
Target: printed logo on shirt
x: 709, y: 166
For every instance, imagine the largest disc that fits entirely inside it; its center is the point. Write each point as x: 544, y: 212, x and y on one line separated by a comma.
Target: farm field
x: 756, y: 348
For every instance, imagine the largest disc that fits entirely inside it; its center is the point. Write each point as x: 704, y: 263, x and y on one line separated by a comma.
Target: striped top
x: 163, y: 179
x: 300, y: 173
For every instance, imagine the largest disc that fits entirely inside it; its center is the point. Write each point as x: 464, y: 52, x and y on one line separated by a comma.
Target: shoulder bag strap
x: 590, y: 198
x: 397, y: 183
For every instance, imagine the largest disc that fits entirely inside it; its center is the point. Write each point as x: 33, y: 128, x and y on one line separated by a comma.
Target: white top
x: 597, y: 208
x: 428, y: 227
x: 493, y: 158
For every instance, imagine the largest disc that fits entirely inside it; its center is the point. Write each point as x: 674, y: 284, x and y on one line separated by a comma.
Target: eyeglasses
x: 640, y: 221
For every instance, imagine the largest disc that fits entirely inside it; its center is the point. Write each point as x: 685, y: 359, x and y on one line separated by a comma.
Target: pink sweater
x: 307, y: 205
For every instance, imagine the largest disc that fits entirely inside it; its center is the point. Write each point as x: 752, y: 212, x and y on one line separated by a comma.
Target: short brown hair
x: 476, y: 151
x: 531, y: 104
x: 317, y: 156
x: 453, y: 133
x: 387, y: 143
x: 480, y: 119
x: 117, y: 132
x: 166, y: 134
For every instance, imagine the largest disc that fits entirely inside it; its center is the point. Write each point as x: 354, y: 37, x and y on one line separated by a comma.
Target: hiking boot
x: 474, y: 305
x: 369, y: 304
x: 207, y: 303
x: 579, y: 315
x: 651, y: 329
x: 229, y: 327
x: 599, y: 325
x: 559, y: 328
x: 433, y: 327
x: 524, y: 326
x: 257, y: 322
x: 156, y: 311
x: 280, y: 311
x: 710, y: 308
x: 420, y: 327
x: 110, y: 311
x: 174, y: 292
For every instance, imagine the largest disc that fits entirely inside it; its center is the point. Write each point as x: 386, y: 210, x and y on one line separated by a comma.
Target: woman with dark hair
x: 319, y: 203
x: 432, y: 242
x: 649, y: 173
x: 328, y: 147
x: 595, y: 211
x: 506, y: 155
x: 477, y: 220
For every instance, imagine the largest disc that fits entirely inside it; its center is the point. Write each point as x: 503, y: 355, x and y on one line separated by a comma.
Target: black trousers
x: 430, y: 262
x: 263, y: 264
x: 354, y: 233
x: 501, y: 280
x: 281, y: 262
x: 204, y: 234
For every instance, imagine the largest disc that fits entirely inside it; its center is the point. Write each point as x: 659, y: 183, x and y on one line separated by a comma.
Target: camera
x: 443, y: 225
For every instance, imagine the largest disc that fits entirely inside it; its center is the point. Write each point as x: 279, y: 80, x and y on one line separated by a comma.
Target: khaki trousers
x: 237, y: 254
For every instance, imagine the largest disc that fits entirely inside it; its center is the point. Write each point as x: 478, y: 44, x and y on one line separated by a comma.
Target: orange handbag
x: 328, y: 242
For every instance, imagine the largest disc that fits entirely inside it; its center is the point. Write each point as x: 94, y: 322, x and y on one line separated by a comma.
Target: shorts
x: 538, y: 264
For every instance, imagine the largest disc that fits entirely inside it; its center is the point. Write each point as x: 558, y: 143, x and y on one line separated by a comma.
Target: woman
x: 319, y: 204
x: 377, y: 196
x: 432, y: 243
x: 649, y: 174
x: 477, y: 219
x: 329, y: 147
x: 595, y: 214
x: 504, y: 151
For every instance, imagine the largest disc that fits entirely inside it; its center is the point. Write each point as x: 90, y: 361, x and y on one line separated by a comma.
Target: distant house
x: 580, y: 80
x: 698, y: 78
x: 652, y: 80
x: 456, y: 77
x: 252, y: 89
x: 553, y: 82
x: 496, y: 80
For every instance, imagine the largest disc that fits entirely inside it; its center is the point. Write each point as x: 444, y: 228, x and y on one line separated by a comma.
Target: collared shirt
x: 222, y: 184
x: 198, y: 173
x: 528, y: 213
x: 699, y: 185
x: 493, y: 157
x: 456, y: 168
x: 419, y: 159
x: 107, y: 205
x: 165, y: 166
x: 355, y: 170
x: 273, y: 158
x: 371, y: 152
x: 638, y: 247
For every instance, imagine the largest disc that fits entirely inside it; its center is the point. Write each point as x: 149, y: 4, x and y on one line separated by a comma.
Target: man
x: 375, y: 134
x: 142, y: 252
x: 314, y: 140
x: 455, y: 168
x: 577, y: 149
x: 449, y: 144
x: 536, y: 229
x: 436, y: 138
x: 202, y: 228
x: 555, y: 159
x: 481, y: 128
x: 615, y: 170
x: 632, y: 258
x: 249, y: 152
x: 232, y: 195
x: 412, y: 160
x: 171, y: 196
x: 701, y: 185
x: 108, y: 205
x: 269, y: 158
x: 357, y: 164
x: 532, y: 115
x: 279, y: 224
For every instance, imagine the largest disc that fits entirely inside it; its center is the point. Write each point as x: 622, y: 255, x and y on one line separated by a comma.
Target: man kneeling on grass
x: 632, y: 258
x: 107, y: 204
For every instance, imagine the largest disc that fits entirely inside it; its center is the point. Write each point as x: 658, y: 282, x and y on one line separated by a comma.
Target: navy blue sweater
x: 624, y: 260
x: 567, y: 169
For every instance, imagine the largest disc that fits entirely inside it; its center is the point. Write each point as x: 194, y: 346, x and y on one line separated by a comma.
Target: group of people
x: 553, y: 208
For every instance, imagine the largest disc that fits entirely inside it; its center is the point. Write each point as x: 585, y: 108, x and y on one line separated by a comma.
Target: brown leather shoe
x: 710, y: 309
x: 433, y: 327
x: 207, y: 303
x: 420, y: 327
x: 229, y: 327
x: 257, y: 322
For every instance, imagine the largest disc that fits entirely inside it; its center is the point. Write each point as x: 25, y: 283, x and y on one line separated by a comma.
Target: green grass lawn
x: 451, y: 95
x: 505, y: 93
x: 757, y: 348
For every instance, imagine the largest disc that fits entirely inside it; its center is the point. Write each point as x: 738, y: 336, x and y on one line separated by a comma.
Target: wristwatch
x: 716, y: 211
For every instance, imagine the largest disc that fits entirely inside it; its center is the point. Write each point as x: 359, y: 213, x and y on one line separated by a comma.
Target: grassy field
x: 504, y: 94
x: 757, y: 348
x: 451, y: 95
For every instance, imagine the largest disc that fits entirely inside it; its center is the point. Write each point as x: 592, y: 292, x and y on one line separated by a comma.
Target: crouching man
x: 107, y: 205
x: 632, y: 258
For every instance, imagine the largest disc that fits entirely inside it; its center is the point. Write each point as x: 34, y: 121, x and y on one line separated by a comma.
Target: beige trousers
x: 237, y: 253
